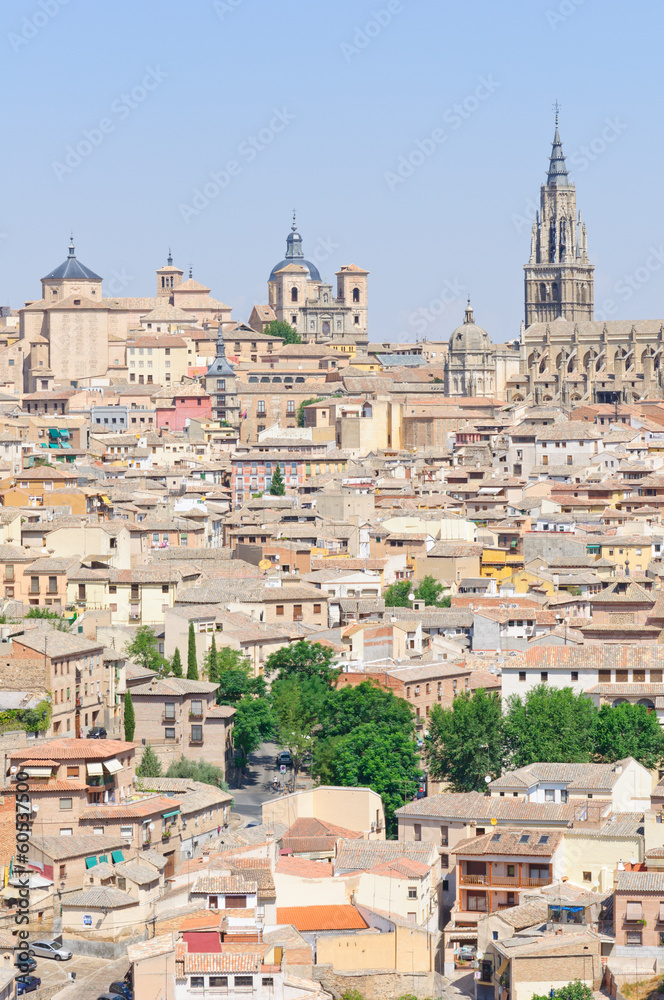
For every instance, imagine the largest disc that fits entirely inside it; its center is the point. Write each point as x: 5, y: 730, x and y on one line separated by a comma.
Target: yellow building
x: 501, y: 564
x: 159, y: 359
x: 635, y: 548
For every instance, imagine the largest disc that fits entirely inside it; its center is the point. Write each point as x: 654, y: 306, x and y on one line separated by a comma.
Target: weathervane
x: 556, y: 108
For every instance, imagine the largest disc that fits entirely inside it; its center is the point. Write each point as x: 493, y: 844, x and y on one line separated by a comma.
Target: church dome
x: 72, y: 268
x: 295, y: 255
x: 469, y: 336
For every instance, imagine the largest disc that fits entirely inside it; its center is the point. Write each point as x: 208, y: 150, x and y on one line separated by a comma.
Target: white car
x: 50, y: 949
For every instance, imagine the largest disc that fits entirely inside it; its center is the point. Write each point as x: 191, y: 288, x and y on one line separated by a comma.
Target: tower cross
x: 556, y: 107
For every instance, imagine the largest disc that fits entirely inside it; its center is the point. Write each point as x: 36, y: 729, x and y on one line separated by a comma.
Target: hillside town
x: 331, y: 667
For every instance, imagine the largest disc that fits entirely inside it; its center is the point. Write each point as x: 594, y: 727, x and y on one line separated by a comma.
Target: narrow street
x: 256, y: 782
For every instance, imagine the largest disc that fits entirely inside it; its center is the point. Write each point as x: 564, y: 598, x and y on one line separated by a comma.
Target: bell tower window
x: 293, y: 294
x: 356, y: 295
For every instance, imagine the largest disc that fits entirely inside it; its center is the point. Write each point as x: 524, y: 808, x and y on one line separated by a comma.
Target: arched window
x: 325, y: 297
x: 542, y: 291
x: 356, y: 295
x: 293, y: 294
x: 554, y: 291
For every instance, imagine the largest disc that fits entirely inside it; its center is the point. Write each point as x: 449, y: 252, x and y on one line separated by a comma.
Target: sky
x: 411, y: 136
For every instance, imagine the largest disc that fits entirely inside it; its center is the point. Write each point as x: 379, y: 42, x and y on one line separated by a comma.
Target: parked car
x: 97, y: 733
x: 284, y: 758
x: 50, y: 949
x: 27, y: 984
x: 29, y: 965
x: 121, y: 989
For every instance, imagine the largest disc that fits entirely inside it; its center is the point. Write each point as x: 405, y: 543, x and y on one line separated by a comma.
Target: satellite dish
x: 494, y: 821
x: 632, y: 861
x: 488, y: 778
x: 265, y: 564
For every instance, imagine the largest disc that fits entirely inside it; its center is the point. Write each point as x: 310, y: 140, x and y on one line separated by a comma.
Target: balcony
x: 196, y: 715
x: 168, y: 720
x: 491, y: 881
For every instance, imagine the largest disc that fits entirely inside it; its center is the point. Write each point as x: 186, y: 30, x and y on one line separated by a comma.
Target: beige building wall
x: 293, y: 891
x: 404, y: 950
x: 591, y: 860
x: 353, y: 808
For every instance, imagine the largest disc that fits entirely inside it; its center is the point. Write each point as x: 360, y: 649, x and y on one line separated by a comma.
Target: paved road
x: 259, y: 774
x: 93, y: 976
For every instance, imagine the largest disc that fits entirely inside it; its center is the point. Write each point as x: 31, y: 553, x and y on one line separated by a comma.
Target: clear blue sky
x: 350, y: 106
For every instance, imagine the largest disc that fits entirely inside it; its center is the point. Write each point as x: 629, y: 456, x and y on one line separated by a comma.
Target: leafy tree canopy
x: 279, y: 328
x: 302, y: 659
x: 300, y: 409
x: 143, y: 649
x: 233, y: 672
x: 629, y: 731
x: 352, y: 706
x: 572, y: 991
x: 428, y: 590
x: 253, y: 724
x: 197, y: 770
x: 47, y: 614
x: 464, y: 742
x: 549, y: 724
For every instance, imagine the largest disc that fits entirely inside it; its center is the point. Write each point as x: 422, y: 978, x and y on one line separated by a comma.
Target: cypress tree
x: 192, y: 665
x: 278, y: 486
x: 176, y: 663
x: 129, y: 717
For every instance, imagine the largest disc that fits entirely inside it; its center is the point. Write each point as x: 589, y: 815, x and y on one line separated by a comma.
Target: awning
x: 103, y: 859
x: 53, y: 444
x: 106, y: 499
x: 117, y: 857
x: 566, y: 909
x: 90, y: 862
x: 113, y: 765
x: 634, y: 911
x: 38, y: 772
x: 175, y: 812
x: 64, y: 433
x: 94, y: 768
x: 503, y: 965
x: 65, y: 444
x: 54, y: 432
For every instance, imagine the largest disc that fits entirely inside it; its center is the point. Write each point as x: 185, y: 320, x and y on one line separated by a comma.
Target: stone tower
x: 221, y: 383
x: 168, y: 278
x: 558, y: 276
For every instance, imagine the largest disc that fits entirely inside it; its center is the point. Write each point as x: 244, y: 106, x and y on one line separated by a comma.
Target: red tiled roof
x: 72, y: 749
x: 321, y: 918
x: 303, y: 868
x: 198, y: 942
x: 131, y: 810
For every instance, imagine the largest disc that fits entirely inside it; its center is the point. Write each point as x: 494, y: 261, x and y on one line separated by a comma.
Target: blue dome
x: 295, y: 255
x: 71, y: 268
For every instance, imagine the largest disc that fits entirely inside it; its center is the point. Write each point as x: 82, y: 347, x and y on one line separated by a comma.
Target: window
x: 220, y: 982
x: 65, y: 804
x: 634, y: 937
x: 544, y: 839
x: 127, y: 832
x: 524, y: 838
x: 293, y: 294
x: 564, y: 795
x: 196, y: 734
x: 169, y: 710
x: 72, y: 770
x: 197, y: 982
x: 575, y: 675
x: 511, y: 870
x: 587, y: 876
x: 412, y: 892
x: 549, y: 795
x: 480, y: 831
x: 522, y: 675
x: 446, y: 885
x: 280, y: 610
x: 197, y: 708
x: 444, y: 861
x: 544, y: 677
x: 63, y: 871
x: 169, y: 733
x: 243, y: 981
x: 66, y: 831
x: 444, y: 836
x: 267, y: 981
x: 417, y: 831
x: 317, y: 609
x: 297, y: 612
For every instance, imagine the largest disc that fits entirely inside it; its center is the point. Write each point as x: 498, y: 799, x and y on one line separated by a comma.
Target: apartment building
x: 625, y: 783
x: 179, y: 717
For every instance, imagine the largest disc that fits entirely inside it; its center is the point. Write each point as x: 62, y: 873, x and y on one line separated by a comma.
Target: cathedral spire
x: 294, y: 243
x: 557, y: 174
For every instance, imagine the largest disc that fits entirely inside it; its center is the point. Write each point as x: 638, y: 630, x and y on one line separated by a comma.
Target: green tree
x: 253, y: 724
x: 129, y: 717
x: 150, y: 766
x: 234, y: 677
x: 176, y: 663
x: 277, y: 486
x: 300, y: 409
x: 143, y: 648
x: 302, y: 659
x: 549, y: 725
x: 299, y: 704
x: 396, y: 596
x: 46, y: 614
x: 629, y: 731
x: 192, y: 662
x: 429, y: 590
x: 353, y: 706
x: 572, y: 991
x: 210, y: 661
x: 279, y: 328
x: 197, y: 770
x: 378, y: 757
x: 464, y: 742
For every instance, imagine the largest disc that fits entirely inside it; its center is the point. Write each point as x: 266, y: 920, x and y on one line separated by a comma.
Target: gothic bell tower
x: 558, y: 275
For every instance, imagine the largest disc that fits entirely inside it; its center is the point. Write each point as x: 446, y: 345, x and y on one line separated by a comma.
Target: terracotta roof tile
x: 321, y: 918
